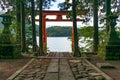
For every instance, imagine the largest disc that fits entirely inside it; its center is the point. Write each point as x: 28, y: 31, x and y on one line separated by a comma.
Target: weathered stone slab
x: 51, y: 76
x: 52, y: 71
x: 105, y: 65
x: 53, y: 67
x: 65, y: 72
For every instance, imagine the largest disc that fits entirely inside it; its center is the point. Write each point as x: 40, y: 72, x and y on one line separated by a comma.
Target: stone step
x: 65, y: 72
x: 53, y: 67
x: 52, y: 71
x: 51, y: 76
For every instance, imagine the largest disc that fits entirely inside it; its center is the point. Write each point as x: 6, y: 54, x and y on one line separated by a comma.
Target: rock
x: 42, y: 76
x: 91, y: 78
x: 21, y: 75
x: 74, y: 65
x: 83, y: 72
x: 75, y: 73
x: 82, y: 68
x: 100, y: 78
x: 38, y: 66
x: 94, y: 74
x: 105, y: 65
x: 79, y: 76
x: 74, y: 69
x: 18, y: 78
x: 29, y: 78
x: 29, y: 75
x: 89, y: 69
x: 83, y: 79
x: 74, y: 61
x: 37, y: 70
x: 37, y: 79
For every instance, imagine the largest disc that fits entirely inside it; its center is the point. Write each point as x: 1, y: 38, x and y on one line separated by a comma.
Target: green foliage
x: 57, y: 31
x: 103, y: 42
x: 6, y: 50
x: 13, y: 26
x: 103, y: 39
x: 9, y: 51
x: 88, y: 5
x: 86, y: 31
x: 28, y: 37
x: 16, y: 50
x: 109, y: 47
x: 86, y: 36
x: 0, y: 31
x: 102, y: 47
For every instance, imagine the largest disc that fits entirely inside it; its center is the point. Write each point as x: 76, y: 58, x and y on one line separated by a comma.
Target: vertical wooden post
x: 44, y: 34
x: 73, y: 40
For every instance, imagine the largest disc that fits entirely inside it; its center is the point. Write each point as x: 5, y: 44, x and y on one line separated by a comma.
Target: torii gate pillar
x: 73, y: 39
x: 44, y: 34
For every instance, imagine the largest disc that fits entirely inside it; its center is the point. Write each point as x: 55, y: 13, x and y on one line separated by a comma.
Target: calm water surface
x: 58, y: 44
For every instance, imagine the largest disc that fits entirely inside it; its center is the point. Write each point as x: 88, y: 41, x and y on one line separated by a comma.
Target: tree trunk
x: 40, y: 29
x: 76, y: 48
x: 18, y: 15
x: 95, y: 38
x: 23, y: 38
x: 108, y: 12
x: 33, y: 27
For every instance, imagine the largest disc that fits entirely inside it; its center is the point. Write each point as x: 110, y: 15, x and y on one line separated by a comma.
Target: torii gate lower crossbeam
x: 58, y: 15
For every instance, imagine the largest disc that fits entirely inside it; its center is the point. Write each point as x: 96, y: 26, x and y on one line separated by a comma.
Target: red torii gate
x: 58, y: 15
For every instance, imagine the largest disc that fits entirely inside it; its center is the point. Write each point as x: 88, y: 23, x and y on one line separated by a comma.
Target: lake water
x: 58, y: 44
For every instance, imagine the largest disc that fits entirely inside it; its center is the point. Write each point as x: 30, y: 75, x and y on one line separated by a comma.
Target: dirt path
x: 10, y: 66
x: 113, y: 72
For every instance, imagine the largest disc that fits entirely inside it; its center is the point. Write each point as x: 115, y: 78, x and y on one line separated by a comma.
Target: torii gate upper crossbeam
x: 58, y: 13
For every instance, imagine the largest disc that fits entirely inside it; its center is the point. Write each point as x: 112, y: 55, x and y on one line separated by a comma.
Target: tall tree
x: 76, y: 48
x: 108, y: 11
x: 33, y: 26
x: 40, y: 29
x: 23, y: 38
x: 96, y: 41
x: 18, y: 16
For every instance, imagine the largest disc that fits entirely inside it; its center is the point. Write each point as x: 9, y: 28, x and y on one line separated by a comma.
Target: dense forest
x: 58, y: 31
